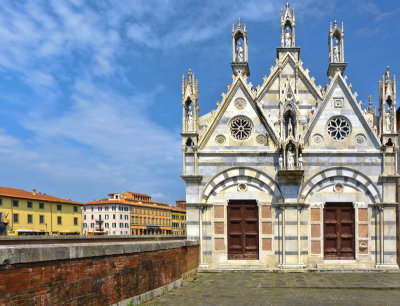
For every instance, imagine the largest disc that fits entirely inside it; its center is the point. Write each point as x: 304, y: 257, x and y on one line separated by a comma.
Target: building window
x: 114, y: 208
x: 15, y: 203
x: 338, y: 128
x: 126, y: 225
x: 106, y: 208
x: 92, y: 225
x: 1, y: 202
x: 121, y: 225
x: 75, y: 221
x: 84, y: 217
x: 84, y: 225
x: 41, y: 219
x: 84, y: 209
x: 114, y: 225
x: 126, y: 217
x: 92, y: 217
x: 106, y: 225
x: 113, y: 216
x: 59, y: 207
x: 100, y: 208
x: 30, y: 219
x: 75, y: 209
x: 41, y: 205
x: 106, y: 217
x: 15, y: 218
x: 29, y: 204
x: 121, y: 217
x: 59, y: 220
x: 92, y: 208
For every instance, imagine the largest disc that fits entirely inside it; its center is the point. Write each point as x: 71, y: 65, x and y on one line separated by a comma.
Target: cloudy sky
x: 90, y: 90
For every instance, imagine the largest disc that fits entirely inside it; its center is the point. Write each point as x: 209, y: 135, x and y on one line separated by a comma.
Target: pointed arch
x: 232, y: 176
x: 351, y: 176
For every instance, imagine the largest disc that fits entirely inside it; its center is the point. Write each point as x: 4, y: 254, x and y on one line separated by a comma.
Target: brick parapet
x: 94, y: 274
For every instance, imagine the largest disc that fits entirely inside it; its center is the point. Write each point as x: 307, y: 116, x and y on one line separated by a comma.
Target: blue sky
x: 91, y: 90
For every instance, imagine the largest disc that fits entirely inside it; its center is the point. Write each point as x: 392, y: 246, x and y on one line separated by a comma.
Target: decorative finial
x: 335, y: 23
x: 370, y: 103
x: 287, y: 5
x: 239, y: 23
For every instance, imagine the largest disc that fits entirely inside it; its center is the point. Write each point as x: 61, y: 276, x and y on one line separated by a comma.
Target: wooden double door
x: 339, y: 231
x: 243, y: 229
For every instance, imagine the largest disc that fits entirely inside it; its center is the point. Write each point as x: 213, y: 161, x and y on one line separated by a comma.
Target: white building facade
x: 109, y: 216
x: 287, y: 174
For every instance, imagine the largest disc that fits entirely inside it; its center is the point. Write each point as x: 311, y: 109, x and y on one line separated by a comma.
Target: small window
x: 41, y: 205
x: 126, y: 225
x: 41, y: 219
x: 92, y: 225
x: 106, y: 225
x: 75, y: 221
x: 59, y: 207
x: 84, y: 209
x: 84, y: 225
x: 29, y: 204
x: 106, y: 208
x: 106, y: 217
x: 113, y: 216
x: 15, y: 218
x: 126, y: 217
x: 114, y: 225
x: 121, y: 225
x: 114, y: 208
x: 100, y: 208
x: 84, y: 217
x: 59, y: 220
x: 92, y: 217
x: 121, y: 216
x: 1, y: 202
x: 75, y: 209
x: 30, y: 219
x: 15, y: 203
x: 92, y: 208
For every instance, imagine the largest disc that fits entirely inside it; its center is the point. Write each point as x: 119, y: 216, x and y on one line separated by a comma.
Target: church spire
x: 240, y: 49
x: 288, y: 27
x: 336, y: 50
x: 288, y: 34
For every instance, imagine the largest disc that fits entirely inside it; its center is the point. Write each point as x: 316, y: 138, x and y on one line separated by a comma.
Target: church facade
x: 287, y: 174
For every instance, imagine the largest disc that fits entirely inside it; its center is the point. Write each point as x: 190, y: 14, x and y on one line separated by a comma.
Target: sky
x: 90, y: 91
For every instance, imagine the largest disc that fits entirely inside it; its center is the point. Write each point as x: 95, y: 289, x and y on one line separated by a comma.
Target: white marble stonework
x: 288, y: 174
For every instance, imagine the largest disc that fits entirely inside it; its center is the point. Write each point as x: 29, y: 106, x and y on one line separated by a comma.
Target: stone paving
x: 246, y: 288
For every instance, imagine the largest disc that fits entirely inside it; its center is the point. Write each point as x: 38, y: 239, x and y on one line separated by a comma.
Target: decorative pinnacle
x: 239, y: 23
x: 370, y: 102
x: 287, y: 5
x: 335, y: 23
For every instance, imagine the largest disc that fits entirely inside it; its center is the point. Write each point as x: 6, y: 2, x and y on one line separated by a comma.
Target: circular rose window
x: 241, y: 128
x: 338, y: 128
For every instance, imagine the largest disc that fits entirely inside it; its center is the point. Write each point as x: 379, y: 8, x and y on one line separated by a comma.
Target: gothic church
x: 288, y: 174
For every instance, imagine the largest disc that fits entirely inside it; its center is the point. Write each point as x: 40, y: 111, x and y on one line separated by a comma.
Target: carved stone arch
x: 232, y: 176
x: 352, y: 177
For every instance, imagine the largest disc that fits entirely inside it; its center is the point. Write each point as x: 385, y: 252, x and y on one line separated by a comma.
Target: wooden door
x: 339, y: 231
x: 242, y: 229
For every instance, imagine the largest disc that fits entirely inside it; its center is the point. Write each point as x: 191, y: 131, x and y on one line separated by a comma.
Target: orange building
x: 179, y: 218
x: 148, y: 217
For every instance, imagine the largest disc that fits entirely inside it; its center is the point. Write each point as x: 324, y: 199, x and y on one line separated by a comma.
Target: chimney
x: 34, y: 191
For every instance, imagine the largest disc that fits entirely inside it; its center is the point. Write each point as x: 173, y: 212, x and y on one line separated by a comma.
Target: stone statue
x: 190, y: 119
x: 288, y: 39
x: 290, y: 128
x: 239, y: 53
x: 336, y: 52
x: 301, y: 161
x: 387, y: 121
x: 290, y: 159
x: 280, y: 162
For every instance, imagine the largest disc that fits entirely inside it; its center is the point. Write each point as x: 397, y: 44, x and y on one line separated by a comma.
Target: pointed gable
x: 339, y: 122
x: 237, y: 102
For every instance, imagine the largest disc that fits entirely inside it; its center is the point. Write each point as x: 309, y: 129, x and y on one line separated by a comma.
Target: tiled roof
x: 22, y: 194
x: 146, y: 204
x: 107, y: 201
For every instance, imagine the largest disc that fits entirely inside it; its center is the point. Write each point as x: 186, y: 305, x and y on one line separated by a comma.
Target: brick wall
x: 92, y: 280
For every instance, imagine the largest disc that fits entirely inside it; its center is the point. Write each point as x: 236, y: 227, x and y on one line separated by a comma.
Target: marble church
x: 289, y: 174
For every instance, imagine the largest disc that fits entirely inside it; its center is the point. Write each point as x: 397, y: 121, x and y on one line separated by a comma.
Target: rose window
x: 338, y: 128
x: 241, y: 128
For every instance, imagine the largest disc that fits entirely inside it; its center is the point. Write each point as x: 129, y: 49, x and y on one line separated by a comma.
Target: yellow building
x: 179, y: 219
x: 24, y: 213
